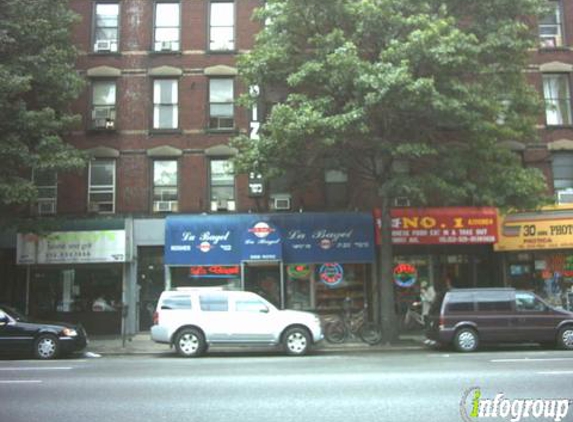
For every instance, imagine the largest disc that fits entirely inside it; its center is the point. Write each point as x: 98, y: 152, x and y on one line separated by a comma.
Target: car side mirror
x: 264, y: 310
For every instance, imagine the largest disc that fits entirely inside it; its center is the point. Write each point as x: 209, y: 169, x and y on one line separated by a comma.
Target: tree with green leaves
x: 37, y: 84
x: 416, y: 96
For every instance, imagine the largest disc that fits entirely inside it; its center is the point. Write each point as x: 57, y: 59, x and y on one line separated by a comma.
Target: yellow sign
x: 533, y: 231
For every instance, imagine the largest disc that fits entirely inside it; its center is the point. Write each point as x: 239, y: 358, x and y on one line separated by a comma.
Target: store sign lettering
x: 214, y: 270
x: 522, y: 232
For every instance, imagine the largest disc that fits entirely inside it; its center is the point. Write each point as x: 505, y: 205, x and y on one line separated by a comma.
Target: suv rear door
x: 215, y: 319
x: 494, y: 314
x: 255, y: 320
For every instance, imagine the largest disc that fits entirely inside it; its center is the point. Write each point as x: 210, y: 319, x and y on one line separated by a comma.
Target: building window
x: 222, y: 26
x: 551, y: 27
x: 166, y: 34
x: 222, y: 185
x: 165, y: 109
x: 562, y: 165
x: 103, y: 104
x: 106, y: 27
x: 165, y: 197
x: 557, y: 97
x: 101, y: 191
x: 46, y: 182
x: 336, y: 188
x: 221, y: 104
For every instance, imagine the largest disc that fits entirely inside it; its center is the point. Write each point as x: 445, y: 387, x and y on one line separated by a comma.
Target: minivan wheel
x: 566, y: 338
x: 296, y: 341
x: 46, y: 346
x: 190, y: 343
x: 466, y: 340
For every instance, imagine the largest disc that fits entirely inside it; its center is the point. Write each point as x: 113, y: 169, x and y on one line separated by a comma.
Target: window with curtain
x: 222, y: 26
x: 101, y: 190
x: 106, y: 27
x: 165, y: 107
x: 222, y: 180
x: 557, y: 96
x: 562, y: 166
x: 166, y: 34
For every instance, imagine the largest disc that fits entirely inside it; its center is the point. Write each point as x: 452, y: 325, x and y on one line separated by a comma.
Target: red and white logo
x: 261, y: 230
x: 205, y: 247
x: 326, y: 243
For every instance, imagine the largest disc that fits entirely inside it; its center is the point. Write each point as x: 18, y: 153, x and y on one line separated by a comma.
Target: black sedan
x: 46, y: 340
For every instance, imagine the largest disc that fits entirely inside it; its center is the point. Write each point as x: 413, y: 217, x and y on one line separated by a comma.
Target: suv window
x: 460, y: 302
x: 176, y: 302
x: 494, y: 301
x: 250, y: 305
x: 214, y: 302
x: 525, y: 302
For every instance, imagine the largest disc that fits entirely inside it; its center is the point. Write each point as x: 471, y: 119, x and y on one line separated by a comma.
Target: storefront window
x: 88, y: 294
x: 227, y: 277
x: 340, y: 286
x: 299, y: 285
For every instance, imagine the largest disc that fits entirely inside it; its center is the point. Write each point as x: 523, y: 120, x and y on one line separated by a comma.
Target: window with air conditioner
x: 562, y: 168
x: 46, y: 182
x: 282, y: 202
x: 101, y: 186
x: 222, y: 25
x: 165, y: 104
x: 165, y: 186
x: 106, y: 27
x: 221, y: 103
x: 222, y: 185
x: 103, y: 104
x: 557, y: 97
x: 167, y: 22
x: 550, y: 27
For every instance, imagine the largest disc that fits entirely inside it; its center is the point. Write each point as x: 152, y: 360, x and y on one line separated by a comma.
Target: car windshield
x: 13, y: 313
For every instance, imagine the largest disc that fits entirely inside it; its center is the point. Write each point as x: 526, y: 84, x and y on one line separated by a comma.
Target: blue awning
x: 292, y: 238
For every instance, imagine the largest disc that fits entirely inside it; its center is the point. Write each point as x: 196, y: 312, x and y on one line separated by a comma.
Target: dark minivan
x: 467, y: 317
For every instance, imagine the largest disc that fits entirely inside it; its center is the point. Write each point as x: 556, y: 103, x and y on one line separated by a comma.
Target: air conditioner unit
x: 223, y: 205
x: 166, y: 45
x: 102, y: 45
x: 565, y: 196
x: 401, y: 202
x: 282, y: 203
x: 103, y: 118
x: 165, y: 206
x: 46, y: 207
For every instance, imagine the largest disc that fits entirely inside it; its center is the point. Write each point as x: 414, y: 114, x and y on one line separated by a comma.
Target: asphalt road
x: 412, y: 385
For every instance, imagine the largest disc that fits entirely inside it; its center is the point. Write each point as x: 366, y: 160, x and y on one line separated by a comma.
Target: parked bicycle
x: 339, y: 328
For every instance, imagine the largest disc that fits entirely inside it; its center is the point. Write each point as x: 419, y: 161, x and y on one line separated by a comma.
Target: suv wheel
x: 296, y: 341
x: 565, y: 338
x: 190, y: 343
x: 46, y: 347
x: 466, y: 340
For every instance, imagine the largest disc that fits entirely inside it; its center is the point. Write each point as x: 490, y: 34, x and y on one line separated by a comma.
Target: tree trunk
x: 385, y: 271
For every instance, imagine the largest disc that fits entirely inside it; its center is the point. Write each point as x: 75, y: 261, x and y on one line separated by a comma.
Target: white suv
x: 194, y: 319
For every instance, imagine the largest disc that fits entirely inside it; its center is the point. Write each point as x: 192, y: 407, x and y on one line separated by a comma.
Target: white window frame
x: 557, y: 105
x: 160, y: 44
x: 224, y: 184
x: 215, y: 43
x: 560, y: 163
x: 174, y: 104
x: 99, y: 41
x: 104, y: 110
x: 172, y: 204
x: 335, y: 179
x: 216, y: 119
x: 551, y: 33
x: 99, y: 189
x: 47, y: 194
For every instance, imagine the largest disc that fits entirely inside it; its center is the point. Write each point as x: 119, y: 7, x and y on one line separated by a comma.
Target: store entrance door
x: 265, y: 279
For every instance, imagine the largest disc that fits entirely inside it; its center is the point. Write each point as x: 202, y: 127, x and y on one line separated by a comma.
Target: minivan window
x: 176, y: 302
x: 494, y: 301
x: 460, y: 302
x: 526, y: 302
x: 214, y: 302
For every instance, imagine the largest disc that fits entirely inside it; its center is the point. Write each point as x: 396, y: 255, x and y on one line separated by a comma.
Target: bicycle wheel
x: 335, y: 332
x: 371, y: 333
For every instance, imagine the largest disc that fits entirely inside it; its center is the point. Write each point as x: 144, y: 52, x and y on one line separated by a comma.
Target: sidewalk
x: 141, y: 344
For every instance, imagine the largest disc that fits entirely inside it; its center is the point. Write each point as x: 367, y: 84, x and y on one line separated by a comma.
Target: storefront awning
x: 292, y: 238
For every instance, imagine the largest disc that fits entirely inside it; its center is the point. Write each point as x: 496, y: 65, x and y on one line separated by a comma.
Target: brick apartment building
x: 159, y: 206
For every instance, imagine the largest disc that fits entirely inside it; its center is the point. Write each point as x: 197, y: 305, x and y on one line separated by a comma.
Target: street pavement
x: 376, y: 384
